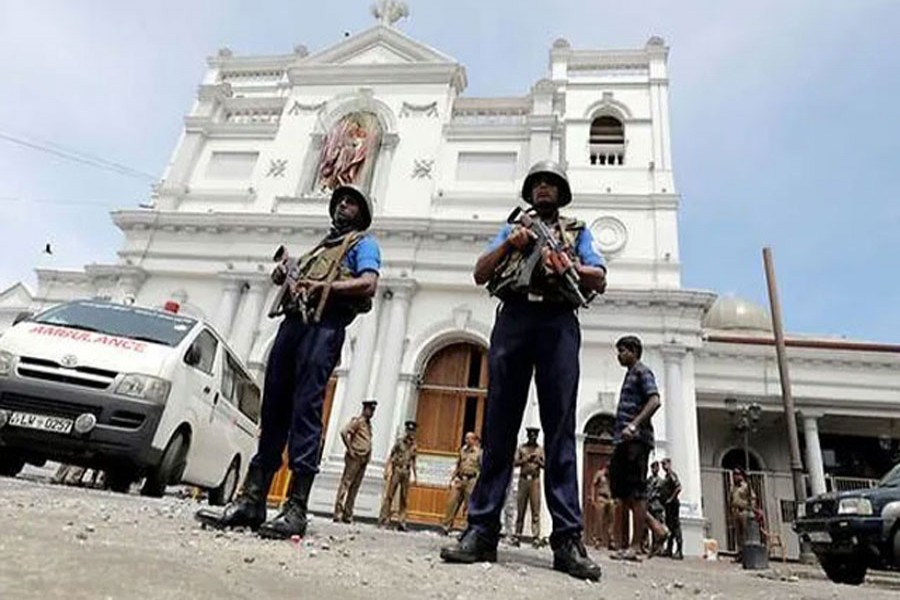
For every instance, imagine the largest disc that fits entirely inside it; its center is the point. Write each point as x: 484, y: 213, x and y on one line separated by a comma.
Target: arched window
x: 607, y: 141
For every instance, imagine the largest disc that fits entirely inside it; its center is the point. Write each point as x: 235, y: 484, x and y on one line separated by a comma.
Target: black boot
x: 472, y: 547
x: 569, y: 556
x: 291, y: 520
x: 248, y: 509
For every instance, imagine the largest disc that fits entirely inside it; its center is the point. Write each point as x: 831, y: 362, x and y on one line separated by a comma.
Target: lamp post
x: 744, y: 420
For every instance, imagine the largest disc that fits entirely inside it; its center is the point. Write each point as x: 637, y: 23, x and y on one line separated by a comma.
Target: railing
x: 607, y: 154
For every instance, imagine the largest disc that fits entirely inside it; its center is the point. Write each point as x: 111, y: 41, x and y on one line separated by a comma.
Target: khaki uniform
x: 359, y: 450
x: 741, y: 507
x: 468, y: 467
x: 402, y: 460
x: 530, y: 460
x: 604, y: 508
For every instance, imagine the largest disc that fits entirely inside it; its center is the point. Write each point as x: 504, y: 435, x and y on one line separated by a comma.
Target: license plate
x: 820, y: 537
x: 41, y: 422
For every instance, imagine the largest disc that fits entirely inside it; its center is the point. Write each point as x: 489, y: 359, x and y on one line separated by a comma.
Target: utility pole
x: 787, y: 397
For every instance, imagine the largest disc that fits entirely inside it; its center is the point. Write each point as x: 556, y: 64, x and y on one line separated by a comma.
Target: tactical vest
x: 317, y: 264
x: 505, y: 282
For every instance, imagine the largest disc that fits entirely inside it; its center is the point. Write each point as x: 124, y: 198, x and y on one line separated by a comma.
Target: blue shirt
x: 584, y: 246
x: 638, y: 387
x: 364, y: 256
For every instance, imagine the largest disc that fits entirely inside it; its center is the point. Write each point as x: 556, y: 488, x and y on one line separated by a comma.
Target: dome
x: 731, y: 312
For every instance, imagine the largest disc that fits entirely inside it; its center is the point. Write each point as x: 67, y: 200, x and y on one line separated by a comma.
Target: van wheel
x: 11, y: 464
x: 170, y: 467
x: 223, y: 494
x: 844, y: 569
x: 119, y: 480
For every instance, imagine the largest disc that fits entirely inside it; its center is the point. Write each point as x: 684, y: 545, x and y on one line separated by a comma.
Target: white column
x: 247, y: 322
x: 225, y: 310
x: 681, y: 429
x: 389, y: 370
x: 814, y: 464
x: 358, y: 376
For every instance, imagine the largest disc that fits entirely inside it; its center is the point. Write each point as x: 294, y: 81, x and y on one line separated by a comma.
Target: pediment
x: 378, y: 45
x: 15, y: 296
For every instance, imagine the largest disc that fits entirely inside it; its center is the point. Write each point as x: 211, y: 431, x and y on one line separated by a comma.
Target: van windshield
x: 123, y: 321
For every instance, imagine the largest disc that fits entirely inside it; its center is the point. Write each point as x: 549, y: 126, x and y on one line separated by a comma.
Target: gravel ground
x: 63, y: 542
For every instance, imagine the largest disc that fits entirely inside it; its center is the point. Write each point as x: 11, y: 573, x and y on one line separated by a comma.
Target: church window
x: 607, y: 141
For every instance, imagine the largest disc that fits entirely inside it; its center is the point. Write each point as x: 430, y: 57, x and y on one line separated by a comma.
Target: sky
x: 784, y: 123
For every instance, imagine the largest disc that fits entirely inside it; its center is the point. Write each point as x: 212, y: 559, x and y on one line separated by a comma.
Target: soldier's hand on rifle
x: 556, y: 262
x: 521, y: 237
x: 311, y: 287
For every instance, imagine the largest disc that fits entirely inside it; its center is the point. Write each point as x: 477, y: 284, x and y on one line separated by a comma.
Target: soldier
x: 536, y: 332
x: 669, y: 491
x: 601, y: 500
x: 400, y: 463
x: 633, y: 440
x: 655, y: 507
x: 357, y: 438
x: 742, y: 502
x: 462, y: 480
x: 330, y: 285
x: 530, y: 460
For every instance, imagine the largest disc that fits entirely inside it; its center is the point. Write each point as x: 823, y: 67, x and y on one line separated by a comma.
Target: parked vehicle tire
x: 896, y: 547
x: 119, y: 480
x: 11, y: 464
x: 844, y: 569
x: 223, y: 494
x: 170, y: 468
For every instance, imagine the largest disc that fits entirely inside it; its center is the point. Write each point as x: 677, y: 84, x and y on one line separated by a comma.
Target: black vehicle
x: 853, y: 531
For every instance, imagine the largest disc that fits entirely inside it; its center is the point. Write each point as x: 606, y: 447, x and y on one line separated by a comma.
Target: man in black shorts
x: 633, y: 440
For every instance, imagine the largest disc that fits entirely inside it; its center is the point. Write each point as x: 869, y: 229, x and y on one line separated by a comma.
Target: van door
x: 202, y: 389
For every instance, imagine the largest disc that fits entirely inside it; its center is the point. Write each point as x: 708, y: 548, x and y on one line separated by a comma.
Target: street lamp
x: 744, y: 420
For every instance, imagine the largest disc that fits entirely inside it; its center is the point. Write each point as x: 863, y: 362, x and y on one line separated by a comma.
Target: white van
x: 133, y: 391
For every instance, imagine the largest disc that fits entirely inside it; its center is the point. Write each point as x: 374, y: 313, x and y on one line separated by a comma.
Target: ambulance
x: 139, y: 393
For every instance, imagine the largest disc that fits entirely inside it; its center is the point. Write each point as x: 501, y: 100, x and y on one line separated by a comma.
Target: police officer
x: 462, y: 481
x: 335, y: 281
x: 357, y: 438
x: 536, y: 331
x: 742, y: 501
x: 530, y: 460
x: 655, y: 507
x: 401, y: 462
x: 670, y: 491
x: 601, y: 500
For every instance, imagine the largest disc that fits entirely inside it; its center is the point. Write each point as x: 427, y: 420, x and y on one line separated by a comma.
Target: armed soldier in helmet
x: 536, y: 331
x: 333, y: 283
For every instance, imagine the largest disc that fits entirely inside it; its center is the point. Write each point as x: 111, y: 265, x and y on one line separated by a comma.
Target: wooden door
x: 597, y: 453
x: 279, y: 489
x: 451, y: 401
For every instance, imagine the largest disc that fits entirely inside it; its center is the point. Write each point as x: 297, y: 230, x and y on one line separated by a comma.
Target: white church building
x: 268, y: 136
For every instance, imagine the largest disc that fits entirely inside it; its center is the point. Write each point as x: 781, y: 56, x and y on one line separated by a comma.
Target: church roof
x: 729, y: 312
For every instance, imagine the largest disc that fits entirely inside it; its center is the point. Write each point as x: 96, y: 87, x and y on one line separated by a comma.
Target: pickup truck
x: 853, y: 531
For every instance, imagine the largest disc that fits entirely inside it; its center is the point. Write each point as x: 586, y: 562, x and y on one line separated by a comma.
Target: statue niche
x: 349, y: 152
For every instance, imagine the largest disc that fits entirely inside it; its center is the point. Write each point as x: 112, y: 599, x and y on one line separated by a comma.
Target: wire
x: 78, y: 157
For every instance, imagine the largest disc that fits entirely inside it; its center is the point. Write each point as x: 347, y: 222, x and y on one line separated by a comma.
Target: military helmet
x: 556, y: 172
x: 410, y: 425
x: 370, y: 402
x: 365, y: 205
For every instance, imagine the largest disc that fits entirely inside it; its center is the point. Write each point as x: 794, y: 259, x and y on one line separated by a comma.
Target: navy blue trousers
x: 531, y: 338
x: 300, y: 363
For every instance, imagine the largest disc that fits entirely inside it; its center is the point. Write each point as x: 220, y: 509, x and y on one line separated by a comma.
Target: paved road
x: 63, y: 542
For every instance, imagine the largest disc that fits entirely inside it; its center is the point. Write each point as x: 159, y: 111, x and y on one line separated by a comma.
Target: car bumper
x: 123, y: 434
x: 842, y: 535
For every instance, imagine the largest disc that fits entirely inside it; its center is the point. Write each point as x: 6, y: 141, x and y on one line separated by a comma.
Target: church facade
x: 268, y: 137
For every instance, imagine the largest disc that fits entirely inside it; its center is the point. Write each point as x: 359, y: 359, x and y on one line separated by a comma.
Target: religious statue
x: 349, y: 151
x: 389, y: 12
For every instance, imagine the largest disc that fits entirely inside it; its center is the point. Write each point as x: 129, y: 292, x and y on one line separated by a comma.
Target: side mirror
x: 192, y: 356
x: 22, y: 316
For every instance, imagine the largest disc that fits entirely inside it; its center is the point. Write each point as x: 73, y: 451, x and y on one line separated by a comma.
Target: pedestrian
x: 655, y: 507
x: 536, y: 332
x: 325, y: 290
x: 463, y: 478
x: 741, y: 505
x: 602, y: 503
x: 632, y: 442
x: 530, y: 460
x: 670, y: 492
x: 400, y: 464
x: 357, y: 438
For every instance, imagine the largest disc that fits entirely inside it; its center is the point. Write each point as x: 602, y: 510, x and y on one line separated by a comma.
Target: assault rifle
x: 285, y: 300
x: 571, y: 281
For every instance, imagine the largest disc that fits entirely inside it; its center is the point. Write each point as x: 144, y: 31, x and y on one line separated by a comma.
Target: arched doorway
x: 735, y: 459
x: 451, y: 401
x: 598, y: 436
x: 758, y: 478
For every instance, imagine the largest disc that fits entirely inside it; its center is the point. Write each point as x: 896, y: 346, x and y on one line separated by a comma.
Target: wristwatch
x: 632, y: 428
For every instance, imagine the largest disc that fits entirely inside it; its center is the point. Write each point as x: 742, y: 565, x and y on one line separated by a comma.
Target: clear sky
x: 784, y: 122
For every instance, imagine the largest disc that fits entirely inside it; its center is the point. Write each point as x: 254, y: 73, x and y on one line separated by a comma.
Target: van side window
x: 205, y: 348
x: 238, y: 387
